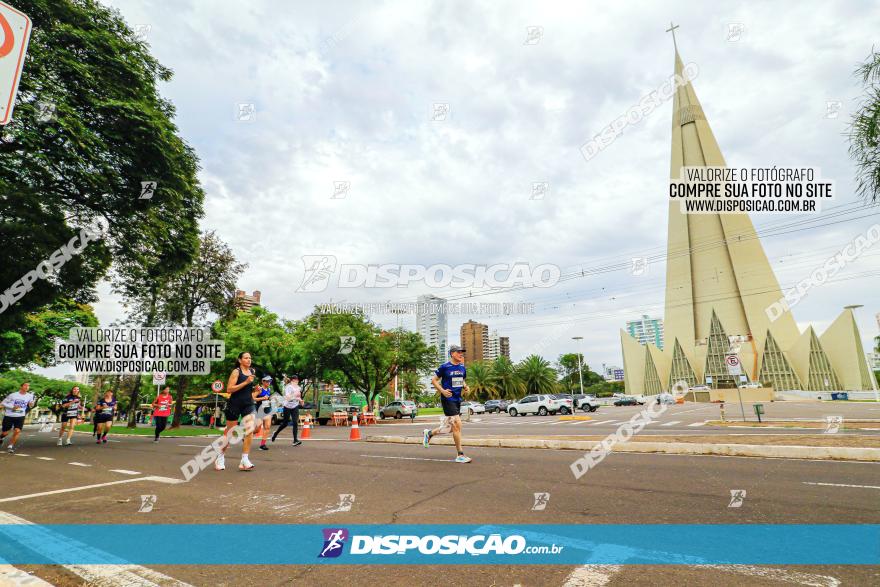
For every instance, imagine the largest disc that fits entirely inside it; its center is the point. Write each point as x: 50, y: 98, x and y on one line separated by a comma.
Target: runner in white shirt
x: 292, y: 401
x: 17, y: 404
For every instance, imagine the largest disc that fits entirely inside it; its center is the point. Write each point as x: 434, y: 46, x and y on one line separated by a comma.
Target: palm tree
x: 508, y: 383
x: 480, y: 380
x: 537, y: 375
x: 864, y: 131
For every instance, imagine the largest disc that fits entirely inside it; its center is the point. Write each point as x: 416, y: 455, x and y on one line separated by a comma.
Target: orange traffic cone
x: 355, y: 431
x: 307, y: 428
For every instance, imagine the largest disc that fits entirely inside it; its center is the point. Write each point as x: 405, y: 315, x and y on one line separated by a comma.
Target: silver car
x: 399, y: 409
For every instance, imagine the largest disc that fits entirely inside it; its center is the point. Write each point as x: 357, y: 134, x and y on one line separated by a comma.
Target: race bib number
x: 458, y: 382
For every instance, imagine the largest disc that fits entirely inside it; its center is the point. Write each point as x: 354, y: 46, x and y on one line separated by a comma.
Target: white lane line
x: 21, y: 454
x: 843, y: 485
x: 9, y: 575
x: 125, y: 472
x: 409, y: 458
x: 695, y: 424
x: 45, y: 458
x: 168, y: 480
x: 776, y: 574
x: 109, y: 575
x: 591, y: 576
x: 604, y: 422
x: 673, y: 423
x: 76, y: 464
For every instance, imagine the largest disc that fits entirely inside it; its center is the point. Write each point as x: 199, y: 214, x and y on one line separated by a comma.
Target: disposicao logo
x: 334, y: 540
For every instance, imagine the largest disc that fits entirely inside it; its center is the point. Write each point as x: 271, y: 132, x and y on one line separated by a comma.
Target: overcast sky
x: 346, y: 92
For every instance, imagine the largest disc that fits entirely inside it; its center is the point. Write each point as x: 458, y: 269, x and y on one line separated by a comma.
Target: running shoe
x: 99, y: 441
x: 155, y: 440
x: 245, y: 464
x: 297, y: 442
x: 220, y: 463
x: 59, y: 442
x: 104, y: 441
x: 462, y: 459
x: 68, y: 443
x: 11, y: 449
x: 426, y: 437
x: 264, y: 447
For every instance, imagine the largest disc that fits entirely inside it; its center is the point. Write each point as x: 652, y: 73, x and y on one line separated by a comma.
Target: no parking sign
x: 733, y: 365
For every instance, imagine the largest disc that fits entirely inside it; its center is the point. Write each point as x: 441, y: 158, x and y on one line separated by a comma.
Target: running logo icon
x: 541, y: 500
x: 334, y: 540
x: 318, y: 268
x: 737, y: 497
x: 147, y: 503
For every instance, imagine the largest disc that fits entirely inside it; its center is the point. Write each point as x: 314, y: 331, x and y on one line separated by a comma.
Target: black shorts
x: 10, y: 422
x: 239, y: 407
x: 66, y: 417
x: 102, y: 418
x: 450, y: 408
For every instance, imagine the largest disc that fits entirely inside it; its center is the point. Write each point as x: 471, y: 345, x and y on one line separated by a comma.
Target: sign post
x: 15, y: 27
x: 217, y: 387
x: 734, y: 368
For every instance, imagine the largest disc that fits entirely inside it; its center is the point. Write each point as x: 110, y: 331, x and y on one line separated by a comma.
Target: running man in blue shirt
x: 449, y: 381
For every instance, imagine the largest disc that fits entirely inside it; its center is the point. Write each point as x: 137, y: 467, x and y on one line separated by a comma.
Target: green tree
x: 110, y: 131
x: 537, y: 375
x: 208, y: 285
x: 481, y: 381
x: 864, y: 131
x: 35, y: 343
x: 48, y: 390
x: 569, y: 378
x: 507, y: 380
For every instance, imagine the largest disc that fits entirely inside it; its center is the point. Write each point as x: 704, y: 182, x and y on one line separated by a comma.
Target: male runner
x: 449, y: 381
x: 69, y: 413
x: 17, y: 404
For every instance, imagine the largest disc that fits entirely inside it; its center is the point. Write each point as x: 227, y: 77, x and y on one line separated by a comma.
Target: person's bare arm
x: 435, y: 381
x: 232, y: 386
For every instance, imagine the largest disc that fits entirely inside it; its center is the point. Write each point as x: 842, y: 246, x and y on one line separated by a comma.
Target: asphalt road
x: 409, y: 484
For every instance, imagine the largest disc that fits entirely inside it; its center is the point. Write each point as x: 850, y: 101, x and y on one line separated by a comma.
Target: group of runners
x: 249, y: 403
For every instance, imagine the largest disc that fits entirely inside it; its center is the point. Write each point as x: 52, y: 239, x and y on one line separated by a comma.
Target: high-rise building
x: 708, y: 317
x: 496, y: 346
x: 246, y: 302
x: 646, y: 330
x: 613, y: 373
x: 504, y: 346
x: 431, y: 324
x: 474, y: 340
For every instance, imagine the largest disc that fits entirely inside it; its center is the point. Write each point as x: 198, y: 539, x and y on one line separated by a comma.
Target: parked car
x: 496, y: 405
x: 472, y: 408
x: 531, y: 404
x: 665, y: 398
x: 751, y: 385
x: 628, y: 400
x: 399, y: 409
x: 700, y: 388
x: 562, y: 403
x: 587, y: 403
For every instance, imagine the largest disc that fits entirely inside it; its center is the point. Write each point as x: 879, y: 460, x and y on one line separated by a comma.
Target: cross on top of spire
x: 671, y: 29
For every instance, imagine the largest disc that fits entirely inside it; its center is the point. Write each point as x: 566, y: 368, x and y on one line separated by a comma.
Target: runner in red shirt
x: 161, y: 411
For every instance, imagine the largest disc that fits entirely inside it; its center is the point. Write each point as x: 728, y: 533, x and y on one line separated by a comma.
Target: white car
x: 588, y: 403
x: 562, y: 403
x: 751, y: 385
x: 472, y: 408
x: 532, y: 404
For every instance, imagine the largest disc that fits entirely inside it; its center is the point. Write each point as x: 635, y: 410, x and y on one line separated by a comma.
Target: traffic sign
x: 16, y: 32
x: 733, y: 365
x: 159, y: 377
x: 217, y: 386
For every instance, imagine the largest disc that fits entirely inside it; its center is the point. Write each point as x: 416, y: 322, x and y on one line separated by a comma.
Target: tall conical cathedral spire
x: 719, y: 282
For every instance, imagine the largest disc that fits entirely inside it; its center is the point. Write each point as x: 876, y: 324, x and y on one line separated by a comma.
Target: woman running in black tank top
x: 240, y: 406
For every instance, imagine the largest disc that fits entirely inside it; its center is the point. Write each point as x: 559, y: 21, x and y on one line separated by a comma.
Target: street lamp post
x: 397, y: 393
x: 580, y: 370
x: 871, y: 375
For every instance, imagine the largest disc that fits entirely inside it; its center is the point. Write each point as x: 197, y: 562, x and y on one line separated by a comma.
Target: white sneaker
x: 60, y: 442
x: 220, y: 463
x: 68, y: 443
x: 245, y: 464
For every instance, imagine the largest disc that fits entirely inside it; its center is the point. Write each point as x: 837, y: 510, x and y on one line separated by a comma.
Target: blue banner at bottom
x: 423, y: 544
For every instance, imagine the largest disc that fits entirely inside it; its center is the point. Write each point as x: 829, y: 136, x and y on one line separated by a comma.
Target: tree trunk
x: 182, y: 381
x: 133, y: 403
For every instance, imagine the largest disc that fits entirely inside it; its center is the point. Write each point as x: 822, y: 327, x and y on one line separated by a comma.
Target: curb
x: 818, y: 453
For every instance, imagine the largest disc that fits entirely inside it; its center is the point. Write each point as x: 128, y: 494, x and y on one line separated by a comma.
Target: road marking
x: 844, y: 485
x: 9, y: 575
x: 776, y: 574
x: 604, y: 422
x: 591, y: 576
x: 75, y: 464
x: 673, y: 423
x: 21, y: 454
x: 45, y: 458
x: 695, y: 424
x: 110, y: 575
x: 409, y: 458
x: 125, y: 471
x: 168, y: 480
